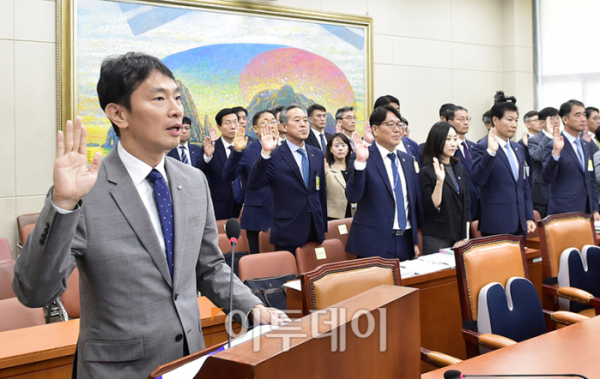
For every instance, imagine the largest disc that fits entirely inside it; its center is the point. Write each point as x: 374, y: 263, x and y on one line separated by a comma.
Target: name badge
x: 590, y: 165
x: 416, y: 164
x: 320, y: 252
x: 318, y: 181
x: 525, y: 170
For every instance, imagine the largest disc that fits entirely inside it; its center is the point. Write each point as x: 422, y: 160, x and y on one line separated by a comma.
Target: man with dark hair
x: 593, y: 122
x: 487, y: 121
x: 459, y: 118
x: 443, y: 109
x: 138, y: 225
x: 242, y: 114
x: 532, y: 123
x: 280, y: 129
x: 346, y: 120
x: 186, y: 152
x: 500, y: 172
x: 540, y: 190
x: 384, y: 184
x: 317, y: 116
x: 227, y: 196
x: 387, y: 100
x: 568, y: 166
x: 296, y: 174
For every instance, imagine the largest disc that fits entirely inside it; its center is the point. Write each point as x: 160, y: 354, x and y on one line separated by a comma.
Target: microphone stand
x: 233, y: 241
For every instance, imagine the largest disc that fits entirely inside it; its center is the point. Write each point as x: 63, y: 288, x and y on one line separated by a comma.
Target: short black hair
x: 499, y: 109
x: 486, y: 118
x: 258, y: 114
x: 402, y: 119
x: 547, y: 112
x: 315, y: 107
x: 529, y: 115
x: 565, y: 108
x: 380, y: 114
x: 385, y: 100
x: 444, y: 108
x: 225, y: 112
x: 451, y: 112
x: 121, y: 75
x: 239, y: 109
x: 186, y: 120
x: 329, y: 156
x: 340, y: 112
x: 590, y: 110
x: 276, y: 110
x: 436, y: 139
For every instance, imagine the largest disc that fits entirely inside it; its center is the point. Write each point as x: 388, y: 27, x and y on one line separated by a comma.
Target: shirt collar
x: 383, y: 151
x: 293, y: 147
x: 570, y: 138
x: 138, y: 170
x: 501, y: 142
x: 461, y: 140
x: 184, y: 144
x: 317, y: 133
x: 225, y: 143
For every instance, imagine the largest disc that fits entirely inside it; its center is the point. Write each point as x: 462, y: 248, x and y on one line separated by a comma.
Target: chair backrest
x: 562, y: 231
x: 256, y: 266
x: 7, y: 268
x: 224, y: 244
x: 24, y: 220
x: 535, y: 233
x: 221, y: 226
x: 313, y: 254
x: 334, y: 282
x: 14, y: 315
x: 5, y: 252
x: 339, y: 230
x: 27, y: 231
x: 70, y: 298
x: 484, y: 260
x: 264, y: 246
x: 242, y: 243
x: 475, y: 233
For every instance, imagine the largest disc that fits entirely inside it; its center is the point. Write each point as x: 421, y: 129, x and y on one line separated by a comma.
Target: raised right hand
x: 268, y: 142
x: 368, y: 133
x: 209, y: 146
x: 361, y: 148
x: 440, y: 172
x: 73, y: 179
x: 240, y: 140
x: 492, y: 141
x: 559, y: 142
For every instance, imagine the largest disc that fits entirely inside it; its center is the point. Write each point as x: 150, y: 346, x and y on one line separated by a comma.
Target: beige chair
x: 264, y: 246
x: 258, y: 266
x: 340, y: 229
x: 22, y: 222
x: 6, y: 276
x: 313, y: 254
x: 5, y: 252
x: 14, y: 315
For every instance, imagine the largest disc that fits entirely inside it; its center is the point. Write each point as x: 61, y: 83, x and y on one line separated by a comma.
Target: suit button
x: 178, y: 337
x: 42, y: 241
x: 392, y: 221
x: 309, y: 211
x: 175, y: 296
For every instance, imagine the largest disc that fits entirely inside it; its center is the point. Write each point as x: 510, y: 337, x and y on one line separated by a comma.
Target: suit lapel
x: 178, y: 186
x: 378, y: 161
x: 502, y: 154
x: 129, y: 202
x: 288, y: 157
x: 337, y: 174
x: 449, y: 183
x: 314, y: 167
x: 220, y: 151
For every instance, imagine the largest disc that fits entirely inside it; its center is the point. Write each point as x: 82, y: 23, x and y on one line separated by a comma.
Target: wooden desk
x: 46, y: 351
x: 573, y: 349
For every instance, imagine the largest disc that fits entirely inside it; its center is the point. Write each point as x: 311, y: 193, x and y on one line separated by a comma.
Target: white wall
x: 426, y: 52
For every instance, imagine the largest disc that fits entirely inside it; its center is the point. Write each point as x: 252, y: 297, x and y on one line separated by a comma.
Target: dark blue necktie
x: 323, y: 144
x: 165, y: 212
x: 397, y: 186
x: 305, y: 174
x: 467, y: 155
x: 184, y: 157
x: 236, y: 185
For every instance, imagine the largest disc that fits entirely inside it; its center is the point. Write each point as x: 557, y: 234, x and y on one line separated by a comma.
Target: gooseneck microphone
x: 455, y: 374
x: 233, y: 231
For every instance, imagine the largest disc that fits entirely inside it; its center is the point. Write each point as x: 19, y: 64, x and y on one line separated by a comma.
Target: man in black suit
x: 185, y: 152
x: 317, y: 116
x: 227, y: 197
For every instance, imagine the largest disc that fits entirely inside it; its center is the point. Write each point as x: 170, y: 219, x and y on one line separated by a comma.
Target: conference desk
x: 46, y: 351
x: 574, y: 349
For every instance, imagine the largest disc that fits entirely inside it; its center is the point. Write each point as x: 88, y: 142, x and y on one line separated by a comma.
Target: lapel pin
x: 179, y: 187
x: 403, y: 160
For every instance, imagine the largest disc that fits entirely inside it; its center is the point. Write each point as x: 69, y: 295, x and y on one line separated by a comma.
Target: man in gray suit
x: 139, y: 226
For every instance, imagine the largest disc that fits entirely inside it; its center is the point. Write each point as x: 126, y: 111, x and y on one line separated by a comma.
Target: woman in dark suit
x: 444, y: 191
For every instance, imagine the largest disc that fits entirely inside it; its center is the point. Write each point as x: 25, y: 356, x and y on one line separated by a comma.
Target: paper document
x: 293, y: 284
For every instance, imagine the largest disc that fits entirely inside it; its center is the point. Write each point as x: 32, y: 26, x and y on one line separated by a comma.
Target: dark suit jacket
x: 195, y: 153
x: 540, y: 190
x: 294, y: 205
x: 313, y: 141
x: 221, y: 191
x: 450, y: 222
x: 257, y: 203
x: 572, y: 189
x: 505, y: 202
x: 412, y: 149
x: 473, y: 190
x: 373, y: 221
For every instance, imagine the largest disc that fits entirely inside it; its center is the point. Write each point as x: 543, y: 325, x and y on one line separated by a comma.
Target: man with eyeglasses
x: 317, y: 116
x: 186, y: 152
x: 459, y: 118
x: 227, y: 196
x: 383, y: 182
x: 593, y: 122
x: 346, y: 121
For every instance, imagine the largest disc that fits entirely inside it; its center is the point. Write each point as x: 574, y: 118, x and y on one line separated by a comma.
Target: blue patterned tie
x: 184, y: 157
x: 236, y: 185
x: 397, y: 186
x: 165, y: 212
x: 305, y: 168
x: 511, y: 160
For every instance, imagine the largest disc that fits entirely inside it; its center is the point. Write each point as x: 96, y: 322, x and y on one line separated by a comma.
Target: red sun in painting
x: 309, y: 74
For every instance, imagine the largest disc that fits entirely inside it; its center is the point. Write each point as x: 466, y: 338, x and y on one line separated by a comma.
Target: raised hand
x: 73, y: 179
x: 214, y: 134
x: 326, y: 167
x: 338, y: 128
x: 268, y: 142
x: 586, y: 134
x: 368, y: 133
x: 559, y: 142
x: 240, y: 140
x: 440, y: 172
x: 209, y: 146
x: 360, y: 148
x: 492, y: 141
x: 525, y: 139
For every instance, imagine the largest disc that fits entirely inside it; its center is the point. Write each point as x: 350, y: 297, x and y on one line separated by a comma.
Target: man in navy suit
x: 499, y: 169
x: 568, y: 166
x: 257, y: 203
x: 227, y: 196
x: 383, y: 183
x: 459, y: 118
x: 296, y: 174
x: 185, y: 152
x: 317, y: 116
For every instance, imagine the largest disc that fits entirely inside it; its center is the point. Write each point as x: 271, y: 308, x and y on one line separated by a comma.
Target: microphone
x: 455, y: 374
x: 233, y: 231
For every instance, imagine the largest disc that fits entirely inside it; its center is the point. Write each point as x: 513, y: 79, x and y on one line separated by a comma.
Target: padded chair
x: 264, y: 246
x: 278, y: 263
x: 5, y: 252
x: 499, y: 304
x: 69, y: 302
x: 334, y: 282
x: 340, y: 229
x: 22, y: 222
x: 570, y: 235
x: 221, y: 226
x: 7, y: 269
x: 14, y: 315
x: 313, y: 254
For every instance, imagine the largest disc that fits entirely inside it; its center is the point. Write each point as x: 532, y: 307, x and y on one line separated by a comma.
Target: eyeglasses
x: 596, y: 118
x: 468, y: 119
x: 393, y: 125
x: 274, y: 122
x: 350, y: 118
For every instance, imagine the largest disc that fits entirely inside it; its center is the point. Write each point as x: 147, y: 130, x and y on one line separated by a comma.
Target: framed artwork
x: 223, y: 54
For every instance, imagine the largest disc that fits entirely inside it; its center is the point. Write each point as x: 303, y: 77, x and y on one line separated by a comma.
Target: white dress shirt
x: 318, y: 135
x: 187, y: 152
x: 297, y: 156
x: 401, y: 146
x: 460, y: 146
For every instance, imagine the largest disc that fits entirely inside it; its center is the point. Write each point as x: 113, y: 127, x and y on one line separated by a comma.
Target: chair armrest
x: 567, y: 318
x: 438, y: 359
x: 494, y: 341
x: 574, y: 294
